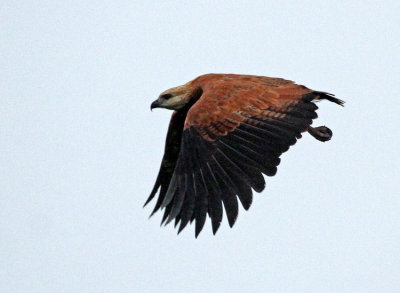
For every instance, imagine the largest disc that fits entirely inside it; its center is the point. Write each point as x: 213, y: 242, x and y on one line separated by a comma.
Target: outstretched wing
x: 232, y: 135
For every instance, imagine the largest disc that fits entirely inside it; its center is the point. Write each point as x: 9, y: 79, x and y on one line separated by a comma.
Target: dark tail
x: 329, y: 97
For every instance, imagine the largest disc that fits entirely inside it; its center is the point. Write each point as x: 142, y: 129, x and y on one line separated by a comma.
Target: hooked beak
x: 155, y: 104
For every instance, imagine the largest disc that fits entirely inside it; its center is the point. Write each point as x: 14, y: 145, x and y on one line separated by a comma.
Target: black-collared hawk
x: 226, y: 131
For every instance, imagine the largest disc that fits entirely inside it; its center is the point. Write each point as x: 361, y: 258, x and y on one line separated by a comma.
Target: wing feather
x: 201, y: 204
x: 214, y: 200
x: 188, y: 204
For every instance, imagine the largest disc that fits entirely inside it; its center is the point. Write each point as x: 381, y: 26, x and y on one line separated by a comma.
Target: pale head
x: 174, y: 99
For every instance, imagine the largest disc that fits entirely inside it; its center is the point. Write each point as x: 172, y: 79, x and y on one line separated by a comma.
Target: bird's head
x: 174, y: 99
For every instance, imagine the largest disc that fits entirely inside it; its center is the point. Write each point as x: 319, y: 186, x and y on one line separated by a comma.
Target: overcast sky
x: 80, y: 149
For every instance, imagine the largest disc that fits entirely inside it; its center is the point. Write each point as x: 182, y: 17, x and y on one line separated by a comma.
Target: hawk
x: 226, y: 131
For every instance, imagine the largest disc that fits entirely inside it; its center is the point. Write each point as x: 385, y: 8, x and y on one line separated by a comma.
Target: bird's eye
x: 166, y: 96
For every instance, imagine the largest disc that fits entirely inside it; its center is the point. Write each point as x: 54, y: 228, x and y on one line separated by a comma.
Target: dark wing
x: 171, y: 153
x: 232, y: 135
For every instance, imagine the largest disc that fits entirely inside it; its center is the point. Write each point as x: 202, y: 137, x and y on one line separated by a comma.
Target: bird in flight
x: 226, y: 131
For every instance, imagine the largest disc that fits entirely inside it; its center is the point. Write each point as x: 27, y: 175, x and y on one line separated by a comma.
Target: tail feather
x: 329, y: 97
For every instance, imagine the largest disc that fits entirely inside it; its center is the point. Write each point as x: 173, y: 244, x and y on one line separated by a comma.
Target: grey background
x: 80, y: 149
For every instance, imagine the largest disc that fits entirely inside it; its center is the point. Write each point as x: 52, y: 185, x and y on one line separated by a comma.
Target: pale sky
x: 80, y: 149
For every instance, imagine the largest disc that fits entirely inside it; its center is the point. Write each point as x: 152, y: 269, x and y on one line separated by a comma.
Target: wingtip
x: 247, y: 206
x: 156, y: 208
x: 197, y: 230
x: 215, y: 226
x: 214, y: 231
x: 145, y: 204
x: 177, y: 220
x: 149, y: 199
x: 182, y: 226
x: 232, y: 223
x: 169, y: 220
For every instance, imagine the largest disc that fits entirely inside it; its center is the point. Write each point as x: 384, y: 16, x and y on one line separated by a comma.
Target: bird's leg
x: 322, y: 133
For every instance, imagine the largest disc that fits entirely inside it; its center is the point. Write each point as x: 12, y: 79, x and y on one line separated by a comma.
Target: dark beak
x: 155, y: 104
